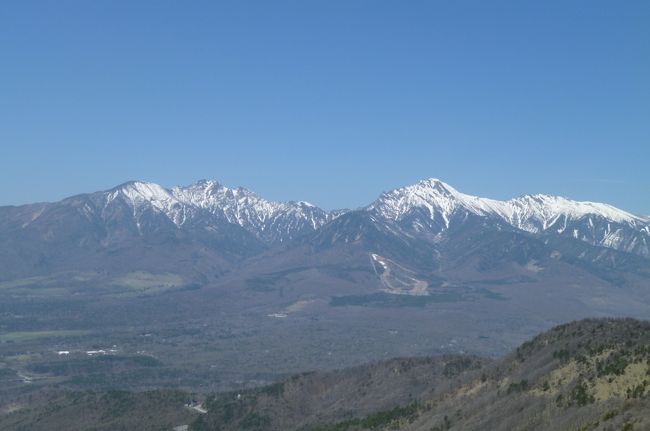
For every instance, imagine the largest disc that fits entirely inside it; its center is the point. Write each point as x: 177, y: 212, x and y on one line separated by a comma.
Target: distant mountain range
x: 253, y: 290
x: 410, y: 237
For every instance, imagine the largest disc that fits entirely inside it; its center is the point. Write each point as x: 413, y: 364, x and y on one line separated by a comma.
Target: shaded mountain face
x: 418, y: 234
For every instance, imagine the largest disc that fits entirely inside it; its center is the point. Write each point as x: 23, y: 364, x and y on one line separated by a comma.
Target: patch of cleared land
x: 17, y: 337
x: 142, y: 281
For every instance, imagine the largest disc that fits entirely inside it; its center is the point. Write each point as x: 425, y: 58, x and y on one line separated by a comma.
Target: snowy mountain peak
x: 436, y: 197
x: 435, y: 204
x: 142, y: 188
x: 204, y: 182
x: 435, y: 183
x: 140, y: 191
x: 440, y: 198
x: 213, y: 202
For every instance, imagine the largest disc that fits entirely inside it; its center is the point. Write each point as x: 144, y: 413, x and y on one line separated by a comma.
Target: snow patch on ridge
x: 429, y: 207
x: 536, y: 214
x: 533, y: 213
x: 266, y: 219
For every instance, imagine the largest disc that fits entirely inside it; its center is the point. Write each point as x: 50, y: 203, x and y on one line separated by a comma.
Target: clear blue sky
x: 327, y: 101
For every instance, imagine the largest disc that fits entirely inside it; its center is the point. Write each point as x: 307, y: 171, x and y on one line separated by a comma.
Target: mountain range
x: 409, y: 236
x: 210, y: 288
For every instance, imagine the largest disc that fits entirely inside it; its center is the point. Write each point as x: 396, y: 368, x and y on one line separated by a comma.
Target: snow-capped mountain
x: 204, y: 228
x: 269, y: 221
x: 432, y: 206
x: 210, y: 228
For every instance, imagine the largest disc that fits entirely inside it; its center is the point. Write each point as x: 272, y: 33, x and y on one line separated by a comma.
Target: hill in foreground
x: 587, y: 375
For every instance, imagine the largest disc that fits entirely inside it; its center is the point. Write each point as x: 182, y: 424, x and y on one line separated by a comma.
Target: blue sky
x: 327, y: 101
